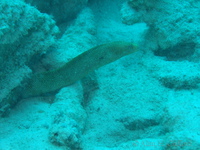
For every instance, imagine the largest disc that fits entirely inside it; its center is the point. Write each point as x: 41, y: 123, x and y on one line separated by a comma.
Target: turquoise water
x: 147, y: 100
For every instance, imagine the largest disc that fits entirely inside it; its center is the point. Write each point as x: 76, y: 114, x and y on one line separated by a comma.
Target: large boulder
x: 24, y: 32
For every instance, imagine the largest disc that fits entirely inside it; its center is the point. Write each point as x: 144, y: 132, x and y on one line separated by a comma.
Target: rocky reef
x: 24, y: 32
x: 171, y: 23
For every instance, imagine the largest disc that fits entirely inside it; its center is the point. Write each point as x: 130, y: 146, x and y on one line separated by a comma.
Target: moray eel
x: 77, y: 68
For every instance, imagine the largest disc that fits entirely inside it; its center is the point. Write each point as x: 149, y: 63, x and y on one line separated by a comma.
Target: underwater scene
x: 100, y: 74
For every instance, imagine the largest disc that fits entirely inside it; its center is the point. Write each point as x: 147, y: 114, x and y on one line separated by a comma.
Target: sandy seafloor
x: 129, y: 93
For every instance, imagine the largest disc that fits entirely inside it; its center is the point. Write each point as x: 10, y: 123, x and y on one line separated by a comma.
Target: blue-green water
x: 147, y: 100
